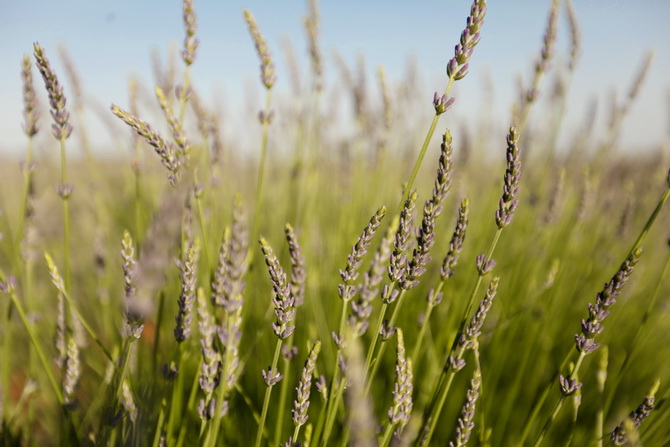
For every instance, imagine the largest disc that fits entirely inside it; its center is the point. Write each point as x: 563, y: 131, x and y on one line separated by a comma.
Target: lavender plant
x: 150, y: 380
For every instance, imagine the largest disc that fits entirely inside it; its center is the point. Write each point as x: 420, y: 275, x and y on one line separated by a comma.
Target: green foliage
x: 577, y: 219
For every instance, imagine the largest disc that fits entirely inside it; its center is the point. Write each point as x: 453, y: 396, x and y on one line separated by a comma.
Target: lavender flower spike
x: 30, y: 111
x: 283, y: 300
x: 168, y: 154
x: 190, y: 41
x: 268, y: 76
x: 301, y: 404
x: 61, y: 129
x: 619, y: 436
x: 473, y: 330
x: 401, y: 410
x: 457, y: 68
x: 398, y: 266
x: 187, y: 296
x: 72, y: 373
x: 456, y: 243
x: 362, y: 308
x: 604, y: 300
x: 509, y: 201
x: 466, y: 421
x: 421, y: 254
x: 298, y: 270
x: 355, y: 258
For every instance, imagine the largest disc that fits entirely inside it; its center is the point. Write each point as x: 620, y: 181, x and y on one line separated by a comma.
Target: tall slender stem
x: 268, y: 391
x: 261, y: 168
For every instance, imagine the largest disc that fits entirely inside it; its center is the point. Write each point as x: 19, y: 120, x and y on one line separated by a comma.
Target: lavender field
x: 372, y: 273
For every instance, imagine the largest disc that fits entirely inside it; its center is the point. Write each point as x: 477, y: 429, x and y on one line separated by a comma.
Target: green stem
x: 175, y: 400
x: 336, y: 400
x: 27, y: 180
x: 6, y: 364
x: 538, y: 404
x: 636, y: 339
x: 375, y: 335
x: 636, y: 245
x: 88, y: 328
x: 382, y: 346
x: 422, y: 152
x: 66, y: 217
x: 447, y: 376
x: 35, y: 342
x: 138, y: 205
x: 336, y: 385
x: 433, y: 413
x: 650, y: 221
x: 190, y: 405
x: 261, y: 170
x: 159, y: 321
x: 268, y: 391
x: 201, y: 219
x: 387, y: 435
x: 296, y: 432
x: 416, y: 351
x: 419, y: 160
x: 159, y: 425
x: 559, y: 404
x: 184, y: 94
x: 283, y: 393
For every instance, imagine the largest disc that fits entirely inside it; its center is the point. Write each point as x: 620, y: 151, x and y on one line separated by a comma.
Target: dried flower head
x: 72, y: 373
x: 362, y: 307
x: 619, y: 435
x: 457, y: 68
x: 283, y: 300
x: 401, y: 410
x: 30, y: 112
x: 311, y: 23
x: 170, y: 157
x: 605, y: 299
x: 186, y: 299
x: 301, y: 404
x: 190, y: 41
x: 398, y: 266
x: 466, y: 421
x: 471, y: 332
x: 268, y: 76
x: 298, y: 270
x: 175, y: 125
x: 509, y: 200
x: 347, y: 291
x: 456, y: 243
x: 61, y: 129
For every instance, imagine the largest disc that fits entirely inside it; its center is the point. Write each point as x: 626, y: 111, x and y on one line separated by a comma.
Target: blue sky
x: 110, y: 40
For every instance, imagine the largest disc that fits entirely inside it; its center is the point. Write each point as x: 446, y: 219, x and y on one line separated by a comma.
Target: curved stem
x: 387, y: 435
x: 66, y: 217
x: 382, y: 346
x: 261, y: 169
x: 371, y: 349
x: 89, y: 329
x: 336, y: 385
x: 268, y: 391
x: 36, y: 344
x: 559, y: 404
x: 447, y: 376
x: 636, y: 339
x: 419, y: 160
x: 650, y: 221
x: 184, y: 93
x: 283, y: 393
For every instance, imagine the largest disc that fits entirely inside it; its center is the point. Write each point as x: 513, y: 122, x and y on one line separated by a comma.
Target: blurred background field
x: 340, y: 145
